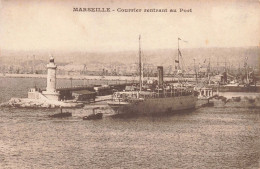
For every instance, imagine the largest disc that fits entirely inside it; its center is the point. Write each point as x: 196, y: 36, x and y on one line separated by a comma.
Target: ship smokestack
x: 160, y: 75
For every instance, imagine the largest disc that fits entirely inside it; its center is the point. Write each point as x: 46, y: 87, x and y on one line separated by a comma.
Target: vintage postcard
x: 129, y: 84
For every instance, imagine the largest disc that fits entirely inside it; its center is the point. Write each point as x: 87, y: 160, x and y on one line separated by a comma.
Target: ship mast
x: 195, y: 71
x: 140, y: 64
x: 209, y: 71
x: 246, y: 68
x: 178, y: 55
x: 217, y: 65
x: 225, y: 64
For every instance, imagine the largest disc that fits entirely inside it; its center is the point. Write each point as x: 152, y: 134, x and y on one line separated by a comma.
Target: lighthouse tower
x: 51, y: 76
x: 51, y: 92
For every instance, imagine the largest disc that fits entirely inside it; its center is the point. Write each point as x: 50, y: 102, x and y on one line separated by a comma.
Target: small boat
x: 61, y: 114
x: 236, y: 99
x: 208, y: 104
x: 251, y: 100
x: 93, y: 116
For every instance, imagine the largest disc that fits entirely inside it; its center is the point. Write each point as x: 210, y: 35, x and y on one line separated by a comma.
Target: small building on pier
x: 84, y: 95
x: 204, y: 91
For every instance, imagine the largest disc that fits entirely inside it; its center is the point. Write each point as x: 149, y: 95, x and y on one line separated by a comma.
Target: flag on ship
x: 245, y: 64
x: 183, y: 40
x: 180, y: 53
x: 200, y: 66
x: 176, y: 61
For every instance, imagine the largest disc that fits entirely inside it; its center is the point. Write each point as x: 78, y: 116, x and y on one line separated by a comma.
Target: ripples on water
x: 202, y: 138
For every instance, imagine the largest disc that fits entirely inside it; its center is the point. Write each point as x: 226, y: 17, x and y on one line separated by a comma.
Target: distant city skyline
x: 232, y: 56
x: 52, y: 25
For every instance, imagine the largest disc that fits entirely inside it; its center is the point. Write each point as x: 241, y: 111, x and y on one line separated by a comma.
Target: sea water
x: 210, y: 137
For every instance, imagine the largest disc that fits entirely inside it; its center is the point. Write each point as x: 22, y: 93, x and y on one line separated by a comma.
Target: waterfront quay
x: 116, y: 79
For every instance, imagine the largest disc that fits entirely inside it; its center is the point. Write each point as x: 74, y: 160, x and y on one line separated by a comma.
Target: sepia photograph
x: 130, y: 84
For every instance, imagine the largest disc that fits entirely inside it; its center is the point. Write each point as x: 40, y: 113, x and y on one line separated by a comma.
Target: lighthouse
x: 51, y: 76
x: 51, y: 92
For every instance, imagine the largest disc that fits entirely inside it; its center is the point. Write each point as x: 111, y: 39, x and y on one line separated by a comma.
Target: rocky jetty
x: 36, y: 103
x: 222, y: 101
x: 249, y: 102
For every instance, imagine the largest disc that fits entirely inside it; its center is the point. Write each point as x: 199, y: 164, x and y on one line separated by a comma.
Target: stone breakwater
x: 33, y: 103
x: 222, y: 101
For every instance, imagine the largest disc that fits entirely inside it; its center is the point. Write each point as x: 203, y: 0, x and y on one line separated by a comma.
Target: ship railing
x: 124, y: 96
x: 127, y: 99
x: 140, y: 95
x: 173, y: 92
x: 133, y: 96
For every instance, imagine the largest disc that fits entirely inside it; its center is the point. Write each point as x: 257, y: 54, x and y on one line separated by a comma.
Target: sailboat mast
x: 140, y: 64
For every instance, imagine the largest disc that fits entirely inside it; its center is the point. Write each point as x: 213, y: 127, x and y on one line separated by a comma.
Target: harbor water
x: 209, y: 137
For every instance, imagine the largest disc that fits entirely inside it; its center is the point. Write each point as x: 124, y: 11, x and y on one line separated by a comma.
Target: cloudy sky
x: 52, y: 25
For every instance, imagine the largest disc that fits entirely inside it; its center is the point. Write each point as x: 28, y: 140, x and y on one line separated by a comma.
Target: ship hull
x: 155, y: 105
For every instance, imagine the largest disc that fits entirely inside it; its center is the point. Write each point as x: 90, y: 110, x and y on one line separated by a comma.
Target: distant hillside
x: 166, y: 57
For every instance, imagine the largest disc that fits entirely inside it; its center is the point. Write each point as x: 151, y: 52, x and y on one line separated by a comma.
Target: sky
x: 52, y: 25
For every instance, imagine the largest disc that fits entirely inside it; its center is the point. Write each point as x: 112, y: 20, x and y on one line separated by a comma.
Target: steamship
x: 157, y: 98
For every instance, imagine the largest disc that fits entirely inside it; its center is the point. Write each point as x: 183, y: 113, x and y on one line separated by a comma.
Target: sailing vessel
x: 158, y: 98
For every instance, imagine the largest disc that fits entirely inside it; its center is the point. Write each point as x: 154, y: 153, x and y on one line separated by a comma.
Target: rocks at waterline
x: 35, y: 103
